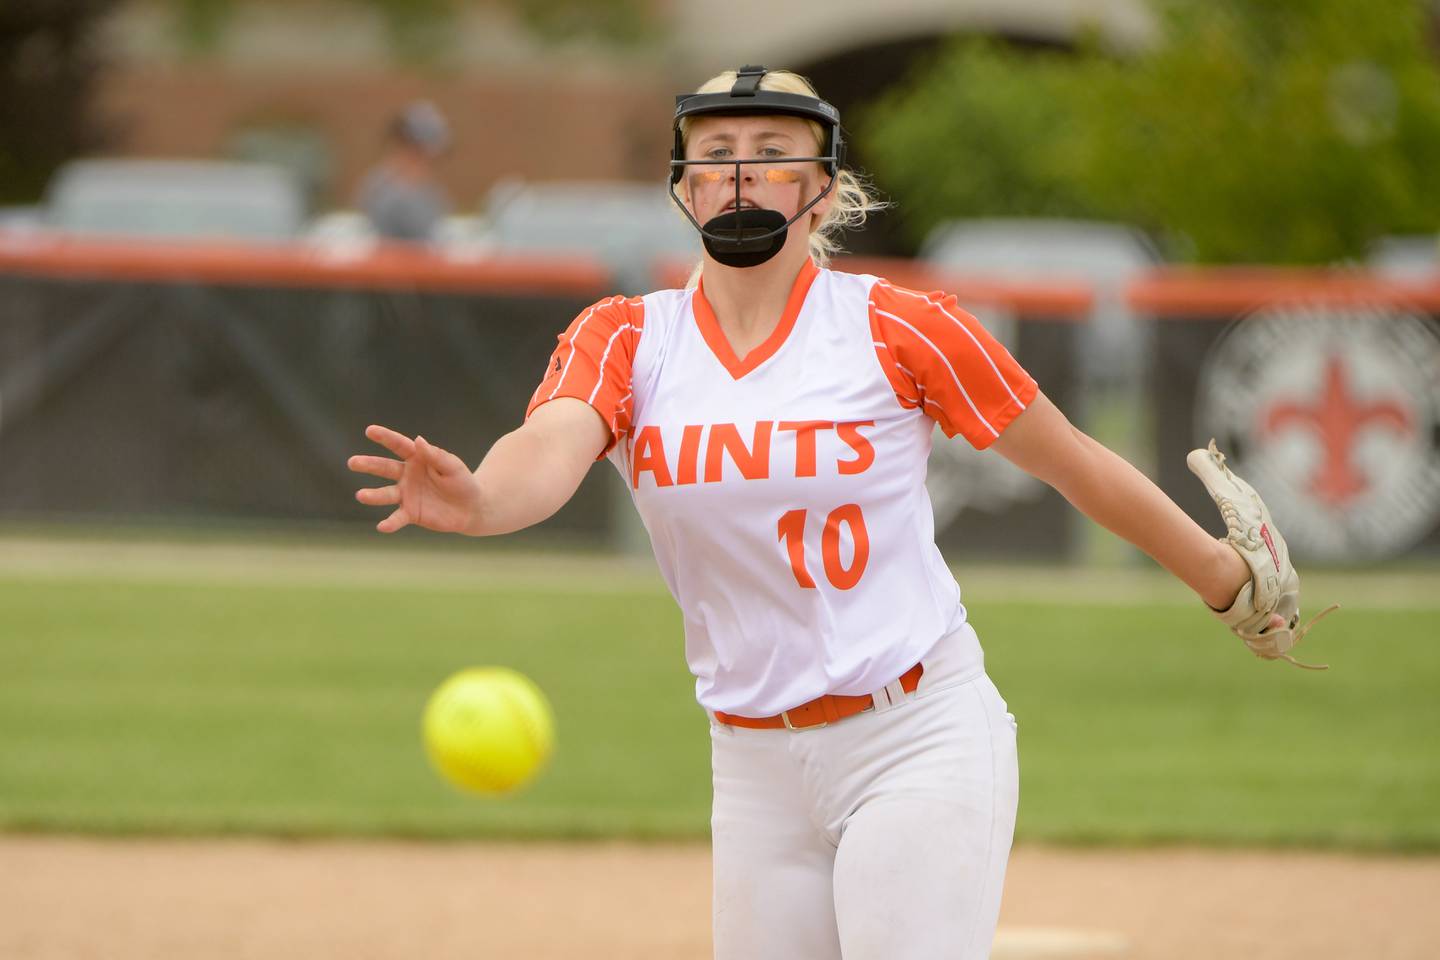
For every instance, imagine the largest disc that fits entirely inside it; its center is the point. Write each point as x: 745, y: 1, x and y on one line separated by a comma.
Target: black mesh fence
x: 194, y: 402
x: 142, y: 400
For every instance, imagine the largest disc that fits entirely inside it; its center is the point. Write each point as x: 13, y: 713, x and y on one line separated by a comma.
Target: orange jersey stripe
x: 592, y: 362
x: 938, y: 357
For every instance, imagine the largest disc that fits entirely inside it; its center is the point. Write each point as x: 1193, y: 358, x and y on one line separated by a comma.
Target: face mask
x: 745, y: 238
x: 750, y: 237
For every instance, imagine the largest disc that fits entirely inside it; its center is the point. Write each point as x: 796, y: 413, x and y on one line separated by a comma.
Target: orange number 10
x: 792, y: 530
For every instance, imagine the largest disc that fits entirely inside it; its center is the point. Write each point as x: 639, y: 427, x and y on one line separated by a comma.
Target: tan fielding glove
x: 1274, y: 585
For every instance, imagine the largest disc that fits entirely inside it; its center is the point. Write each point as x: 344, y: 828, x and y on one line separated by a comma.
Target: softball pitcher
x: 773, y: 422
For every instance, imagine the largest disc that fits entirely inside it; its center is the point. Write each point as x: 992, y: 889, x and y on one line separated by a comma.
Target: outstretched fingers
x: 382, y: 467
x: 378, y: 496
x: 394, y: 522
x: 422, y: 468
x: 439, y: 461
x: 397, y: 443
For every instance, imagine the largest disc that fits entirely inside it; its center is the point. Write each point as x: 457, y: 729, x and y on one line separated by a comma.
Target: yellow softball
x: 488, y: 729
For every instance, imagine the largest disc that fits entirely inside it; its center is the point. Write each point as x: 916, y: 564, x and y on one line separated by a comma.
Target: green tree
x: 1251, y: 131
x: 983, y: 130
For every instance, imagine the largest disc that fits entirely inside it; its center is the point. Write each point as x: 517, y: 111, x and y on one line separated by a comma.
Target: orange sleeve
x: 592, y: 362
x: 939, y: 358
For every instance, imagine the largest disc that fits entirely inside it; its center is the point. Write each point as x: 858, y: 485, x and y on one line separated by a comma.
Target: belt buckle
x: 785, y: 715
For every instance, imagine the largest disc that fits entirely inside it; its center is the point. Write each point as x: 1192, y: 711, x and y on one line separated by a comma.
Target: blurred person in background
x: 401, y: 195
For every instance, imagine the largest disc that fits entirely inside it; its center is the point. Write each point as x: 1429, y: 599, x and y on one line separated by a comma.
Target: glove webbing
x: 1300, y: 635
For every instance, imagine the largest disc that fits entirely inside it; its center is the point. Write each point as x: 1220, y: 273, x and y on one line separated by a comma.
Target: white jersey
x: 784, y: 493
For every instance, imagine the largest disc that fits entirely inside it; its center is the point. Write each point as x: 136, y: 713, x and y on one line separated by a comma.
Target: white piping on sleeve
x: 600, y: 371
x: 956, y: 320
x: 574, y: 336
x: 953, y: 375
x: 923, y: 399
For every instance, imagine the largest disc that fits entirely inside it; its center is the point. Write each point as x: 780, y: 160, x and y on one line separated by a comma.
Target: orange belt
x: 831, y: 708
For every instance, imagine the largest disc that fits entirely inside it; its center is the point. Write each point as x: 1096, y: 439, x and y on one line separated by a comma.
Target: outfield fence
x: 202, y: 382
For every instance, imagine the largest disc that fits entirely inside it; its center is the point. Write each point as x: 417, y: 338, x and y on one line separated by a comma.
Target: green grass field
x: 288, y: 703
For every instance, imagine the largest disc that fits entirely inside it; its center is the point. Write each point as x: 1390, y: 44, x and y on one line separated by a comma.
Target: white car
x: 177, y: 199
x: 1405, y: 257
x: 629, y: 226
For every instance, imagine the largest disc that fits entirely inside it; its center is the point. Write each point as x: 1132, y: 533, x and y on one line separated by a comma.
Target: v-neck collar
x: 720, y: 346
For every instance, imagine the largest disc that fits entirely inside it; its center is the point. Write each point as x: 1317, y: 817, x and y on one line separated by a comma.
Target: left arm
x: 1109, y: 490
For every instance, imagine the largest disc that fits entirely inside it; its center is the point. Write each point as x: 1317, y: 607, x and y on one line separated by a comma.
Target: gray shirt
x: 402, y: 209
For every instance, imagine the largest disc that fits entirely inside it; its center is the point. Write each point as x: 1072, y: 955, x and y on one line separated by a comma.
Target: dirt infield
x: 81, y: 899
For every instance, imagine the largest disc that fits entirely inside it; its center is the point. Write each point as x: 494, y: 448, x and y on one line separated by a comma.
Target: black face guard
x: 747, y: 238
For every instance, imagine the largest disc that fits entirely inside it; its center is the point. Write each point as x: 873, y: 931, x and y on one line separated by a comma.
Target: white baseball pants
x: 885, y: 835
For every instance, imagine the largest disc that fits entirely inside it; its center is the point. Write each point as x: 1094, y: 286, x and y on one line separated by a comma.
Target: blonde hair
x: 851, y: 199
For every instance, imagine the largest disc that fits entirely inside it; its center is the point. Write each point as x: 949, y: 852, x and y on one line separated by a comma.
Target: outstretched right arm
x: 528, y: 474
x: 581, y: 408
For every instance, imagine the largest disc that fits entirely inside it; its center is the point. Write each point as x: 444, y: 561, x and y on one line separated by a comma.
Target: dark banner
x: 1322, y: 391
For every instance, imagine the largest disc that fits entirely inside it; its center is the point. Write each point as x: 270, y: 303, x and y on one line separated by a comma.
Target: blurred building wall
x: 762, y: 31
x: 544, y: 128
x: 321, y: 80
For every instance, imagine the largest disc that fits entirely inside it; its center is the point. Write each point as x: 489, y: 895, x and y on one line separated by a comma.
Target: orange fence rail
x: 1168, y: 292
x: 379, y: 267
x: 1224, y: 293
